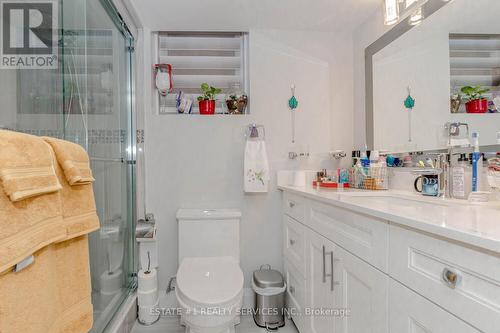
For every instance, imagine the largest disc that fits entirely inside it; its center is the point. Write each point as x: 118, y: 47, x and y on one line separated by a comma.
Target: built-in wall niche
x: 219, y: 59
x: 475, y: 62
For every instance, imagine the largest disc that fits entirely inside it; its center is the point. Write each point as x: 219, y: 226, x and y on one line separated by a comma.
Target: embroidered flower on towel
x: 255, y: 176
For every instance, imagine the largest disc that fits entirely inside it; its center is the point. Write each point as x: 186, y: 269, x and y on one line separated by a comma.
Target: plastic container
x: 269, y: 287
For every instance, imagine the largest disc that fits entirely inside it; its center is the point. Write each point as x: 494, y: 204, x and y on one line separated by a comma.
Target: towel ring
x: 254, y: 133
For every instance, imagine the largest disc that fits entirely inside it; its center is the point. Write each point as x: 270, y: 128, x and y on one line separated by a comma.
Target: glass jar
x: 236, y: 99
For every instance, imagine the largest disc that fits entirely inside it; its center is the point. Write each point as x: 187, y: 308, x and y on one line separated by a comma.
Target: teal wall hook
x: 293, y: 103
x: 409, y: 105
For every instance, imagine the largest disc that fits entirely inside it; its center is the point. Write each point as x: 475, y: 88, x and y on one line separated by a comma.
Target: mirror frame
x: 429, y: 8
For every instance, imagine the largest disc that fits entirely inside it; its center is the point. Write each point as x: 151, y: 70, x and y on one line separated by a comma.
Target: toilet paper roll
x: 148, y: 315
x: 147, y: 298
x: 111, y: 282
x: 147, y: 281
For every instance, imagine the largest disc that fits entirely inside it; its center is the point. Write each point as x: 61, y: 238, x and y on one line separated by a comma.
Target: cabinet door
x: 411, y: 313
x: 362, y: 292
x: 320, y: 291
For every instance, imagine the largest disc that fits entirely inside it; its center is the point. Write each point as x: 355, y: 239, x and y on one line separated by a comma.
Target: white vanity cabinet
x: 363, y: 290
x: 334, y: 280
x: 390, y: 278
x: 321, y: 283
x: 411, y: 313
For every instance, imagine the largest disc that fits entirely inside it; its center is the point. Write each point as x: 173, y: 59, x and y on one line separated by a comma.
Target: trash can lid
x: 268, y: 278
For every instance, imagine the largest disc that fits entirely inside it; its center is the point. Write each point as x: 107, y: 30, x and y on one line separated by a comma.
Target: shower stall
x: 88, y: 99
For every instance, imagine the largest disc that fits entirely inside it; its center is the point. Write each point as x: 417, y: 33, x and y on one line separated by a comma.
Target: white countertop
x: 474, y: 224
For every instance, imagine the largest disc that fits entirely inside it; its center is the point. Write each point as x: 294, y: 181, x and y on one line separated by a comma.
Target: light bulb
x: 391, y: 12
x: 417, y: 17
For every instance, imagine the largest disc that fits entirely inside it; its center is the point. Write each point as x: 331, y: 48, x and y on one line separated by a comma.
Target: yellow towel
x: 74, y: 288
x: 26, y: 166
x: 52, y: 295
x: 74, y: 161
x: 30, y: 224
x: 78, y: 207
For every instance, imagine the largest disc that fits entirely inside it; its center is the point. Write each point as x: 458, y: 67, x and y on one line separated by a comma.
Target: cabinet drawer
x: 295, y: 206
x: 411, y: 313
x: 364, y: 236
x: 421, y: 262
x: 295, y: 296
x: 295, y: 243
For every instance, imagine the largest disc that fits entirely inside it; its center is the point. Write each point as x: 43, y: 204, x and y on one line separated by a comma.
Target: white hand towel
x: 256, y: 168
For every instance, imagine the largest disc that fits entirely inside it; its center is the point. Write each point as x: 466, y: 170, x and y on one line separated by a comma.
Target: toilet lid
x: 210, y: 281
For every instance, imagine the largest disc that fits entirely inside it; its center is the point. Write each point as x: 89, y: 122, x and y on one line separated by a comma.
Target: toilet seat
x: 210, y: 282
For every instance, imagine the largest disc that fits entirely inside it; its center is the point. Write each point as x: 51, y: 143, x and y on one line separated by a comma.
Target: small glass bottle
x: 236, y: 99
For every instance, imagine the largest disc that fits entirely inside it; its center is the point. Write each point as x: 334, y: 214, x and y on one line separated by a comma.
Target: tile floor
x: 171, y: 325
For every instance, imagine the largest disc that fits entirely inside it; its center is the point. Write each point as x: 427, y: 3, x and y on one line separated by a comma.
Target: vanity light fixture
x: 391, y: 12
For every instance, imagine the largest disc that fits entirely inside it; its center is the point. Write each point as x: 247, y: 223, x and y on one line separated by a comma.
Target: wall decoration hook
x: 293, y: 103
x: 409, y: 104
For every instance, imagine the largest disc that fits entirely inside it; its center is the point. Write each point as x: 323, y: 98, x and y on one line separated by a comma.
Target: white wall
x: 197, y: 161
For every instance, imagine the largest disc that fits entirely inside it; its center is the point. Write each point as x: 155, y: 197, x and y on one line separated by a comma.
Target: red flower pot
x: 477, y: 106
x: 207, y: 107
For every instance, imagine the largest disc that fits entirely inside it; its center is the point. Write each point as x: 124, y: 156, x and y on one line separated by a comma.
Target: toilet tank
x: 209, y: 233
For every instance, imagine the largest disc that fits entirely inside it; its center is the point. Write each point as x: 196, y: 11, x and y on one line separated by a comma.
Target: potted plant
x: 476, y: 101
x: 207, y: 100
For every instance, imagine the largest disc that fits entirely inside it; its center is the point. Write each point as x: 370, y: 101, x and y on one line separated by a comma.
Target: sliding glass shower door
x: 97, y: 78
x: 87, y: 99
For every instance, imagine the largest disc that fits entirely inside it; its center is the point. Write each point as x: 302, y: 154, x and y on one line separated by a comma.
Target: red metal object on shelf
x: 477, y: 106
x: 207, y: 106
x: 330, y: 185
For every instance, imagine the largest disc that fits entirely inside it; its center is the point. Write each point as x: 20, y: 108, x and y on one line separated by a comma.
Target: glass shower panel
x: 97, y: 66
x: 87, y: 100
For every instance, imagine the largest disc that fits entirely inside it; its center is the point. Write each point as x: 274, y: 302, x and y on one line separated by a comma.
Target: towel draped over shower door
x: 45, y: 218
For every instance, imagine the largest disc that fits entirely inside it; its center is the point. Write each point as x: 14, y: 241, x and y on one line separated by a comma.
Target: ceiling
x: 318, y: 15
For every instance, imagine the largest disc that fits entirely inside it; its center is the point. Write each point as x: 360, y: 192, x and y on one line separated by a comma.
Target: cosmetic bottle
x: 477, y: 163
x: 458, y: 178
x: 356, y: 155
x: 365, y: 162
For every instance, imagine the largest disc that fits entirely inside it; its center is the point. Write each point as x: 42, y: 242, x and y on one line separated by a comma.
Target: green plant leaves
x: 209, y: 92
x: 474, y: 93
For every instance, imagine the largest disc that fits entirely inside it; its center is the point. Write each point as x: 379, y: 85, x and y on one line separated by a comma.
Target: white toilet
x: 209, y: 285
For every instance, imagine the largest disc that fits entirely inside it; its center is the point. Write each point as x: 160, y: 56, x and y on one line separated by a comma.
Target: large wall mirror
x: 457, y: 46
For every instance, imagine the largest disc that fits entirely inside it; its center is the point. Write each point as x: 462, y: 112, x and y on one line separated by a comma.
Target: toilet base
x: 230, y: 329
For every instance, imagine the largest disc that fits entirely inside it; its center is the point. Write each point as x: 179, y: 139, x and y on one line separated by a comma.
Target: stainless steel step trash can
x: 269, y: 287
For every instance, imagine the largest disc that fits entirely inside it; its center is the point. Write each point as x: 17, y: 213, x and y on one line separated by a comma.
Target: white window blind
x: 217, y: 58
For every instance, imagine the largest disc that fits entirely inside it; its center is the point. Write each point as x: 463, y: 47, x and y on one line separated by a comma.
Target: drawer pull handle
x: 332, y: 274
x: 292, y: 290
x: 291, y: 204
x: 324, y: 264
x: 451, y: 277
x: 292, y: 242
